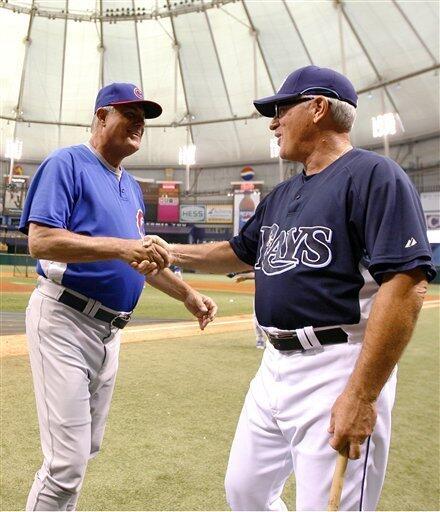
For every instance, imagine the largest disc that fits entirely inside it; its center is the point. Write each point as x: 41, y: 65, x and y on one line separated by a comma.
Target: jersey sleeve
x: 245, y: 244
x: 390, y: 222
x: 51, y: 197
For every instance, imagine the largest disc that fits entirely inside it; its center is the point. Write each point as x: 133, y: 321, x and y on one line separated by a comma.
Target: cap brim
x: 151, y: 109
x: 266, y: 106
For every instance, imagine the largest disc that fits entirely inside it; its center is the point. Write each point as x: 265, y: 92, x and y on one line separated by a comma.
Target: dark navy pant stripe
x: 364, y: 476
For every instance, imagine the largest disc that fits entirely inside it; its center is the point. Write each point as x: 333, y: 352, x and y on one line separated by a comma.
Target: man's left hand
x: 352, y: 421
x: 202, y: 307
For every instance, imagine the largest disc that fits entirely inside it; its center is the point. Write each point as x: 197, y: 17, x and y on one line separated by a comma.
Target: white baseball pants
x: 74, y: 360
x: 283, y: 430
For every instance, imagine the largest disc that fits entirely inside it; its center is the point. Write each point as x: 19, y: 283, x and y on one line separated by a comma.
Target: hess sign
x: 192, y: 213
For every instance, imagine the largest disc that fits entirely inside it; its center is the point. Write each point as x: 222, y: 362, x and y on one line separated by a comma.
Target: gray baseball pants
x: 74, y: 360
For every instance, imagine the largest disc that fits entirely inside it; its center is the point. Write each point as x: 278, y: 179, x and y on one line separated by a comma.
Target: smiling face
x: 123, y: 128
x: 293, y: 126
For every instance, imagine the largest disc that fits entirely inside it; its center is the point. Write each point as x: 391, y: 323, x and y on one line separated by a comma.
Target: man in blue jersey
x: 85, y: 218
x: 341, y: 262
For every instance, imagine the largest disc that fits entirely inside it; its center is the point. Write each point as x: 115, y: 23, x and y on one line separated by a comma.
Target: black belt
x: 291, y: 341
x: 120, y: 320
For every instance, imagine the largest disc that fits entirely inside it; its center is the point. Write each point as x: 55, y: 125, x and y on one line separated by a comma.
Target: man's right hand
x: 155, y: 243
x: 153, y: 257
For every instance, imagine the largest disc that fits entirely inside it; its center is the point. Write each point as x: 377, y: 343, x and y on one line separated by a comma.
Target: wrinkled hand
x: 352, y: 421
x: 202, y: 307
x: 153, y: 242
x: 153, y: 257
x: 148, y: 239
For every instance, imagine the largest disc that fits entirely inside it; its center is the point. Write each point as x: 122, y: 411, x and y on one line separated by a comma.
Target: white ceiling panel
x: 222, y: 70
x: 13, y: 31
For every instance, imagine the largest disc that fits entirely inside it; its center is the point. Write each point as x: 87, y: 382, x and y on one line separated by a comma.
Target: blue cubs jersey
x: 321, y: 244
x: 74, y: 190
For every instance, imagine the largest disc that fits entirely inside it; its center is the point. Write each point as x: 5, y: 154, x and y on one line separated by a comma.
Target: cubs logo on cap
x: 125, y: 94
x: 137, y: 92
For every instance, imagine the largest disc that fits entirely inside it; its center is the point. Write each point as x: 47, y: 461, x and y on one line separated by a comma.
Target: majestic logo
x: 140, y: 222
x: 411, y: 242
x: 282, y: 250
x: 138, y: 93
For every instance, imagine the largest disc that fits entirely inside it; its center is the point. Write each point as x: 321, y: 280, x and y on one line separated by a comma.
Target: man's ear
x: 101, y: 114
x: 321, y: 106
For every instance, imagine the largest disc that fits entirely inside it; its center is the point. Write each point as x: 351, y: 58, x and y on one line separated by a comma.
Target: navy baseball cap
x: 309, y: 80
x: 125, y: 94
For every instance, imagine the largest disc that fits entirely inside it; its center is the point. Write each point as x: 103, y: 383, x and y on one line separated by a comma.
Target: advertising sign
x: 219, y: 214
x: 168, y: 202
x: 431, y: 207
x: 245, y: 203
x: 192, y: 213
x: 14, y: 195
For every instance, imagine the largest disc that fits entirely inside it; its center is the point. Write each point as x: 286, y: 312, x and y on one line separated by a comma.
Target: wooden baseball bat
x: 337, y: 482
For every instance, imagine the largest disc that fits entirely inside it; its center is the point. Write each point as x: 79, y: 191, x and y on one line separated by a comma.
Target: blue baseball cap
x: 126, y: 94
x: 309, y: 80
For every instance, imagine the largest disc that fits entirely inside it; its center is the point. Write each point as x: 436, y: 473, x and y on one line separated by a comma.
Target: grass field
x: 174, y: 413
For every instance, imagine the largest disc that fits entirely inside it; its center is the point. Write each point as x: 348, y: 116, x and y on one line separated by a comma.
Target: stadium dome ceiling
x: 205, y: 61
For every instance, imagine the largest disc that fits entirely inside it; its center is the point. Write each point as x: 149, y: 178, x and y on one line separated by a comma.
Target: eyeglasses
x: 282, y: 108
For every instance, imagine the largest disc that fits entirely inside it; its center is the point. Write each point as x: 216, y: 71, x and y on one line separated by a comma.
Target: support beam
x: 412, y: 27
x: 295, y: 26
x: 27, y: 41
x: 402, y: 78
x: 220, y: 68
x: 63, y: 63
x: 138, y: 50
x: 176, y: 43
x: 114, y: 17
x: 255, y: 32
x: 254, y: 115
x: 101, y: 49
x: 367, y: 55
x: 149, y: 125
x: 341, y: 38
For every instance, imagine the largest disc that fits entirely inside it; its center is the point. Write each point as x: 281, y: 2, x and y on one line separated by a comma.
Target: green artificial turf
x: 173, y: 417
x: 154, y: 304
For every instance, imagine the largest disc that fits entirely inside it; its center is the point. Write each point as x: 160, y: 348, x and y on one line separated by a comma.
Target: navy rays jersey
x: 321, y: 244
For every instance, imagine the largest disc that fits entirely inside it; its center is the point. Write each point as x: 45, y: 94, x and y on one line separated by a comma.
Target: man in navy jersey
x: 85, y: 218
x: 341, y: 262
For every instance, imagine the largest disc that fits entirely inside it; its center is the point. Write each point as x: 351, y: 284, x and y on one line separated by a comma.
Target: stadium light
x: 187, y: 157
x: 386, y: 124
x: 13, y: 151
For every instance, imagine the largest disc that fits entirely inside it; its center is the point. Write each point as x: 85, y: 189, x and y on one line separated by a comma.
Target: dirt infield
x: 11, y: 284
x: 8, y: 287
x: 15, y: 344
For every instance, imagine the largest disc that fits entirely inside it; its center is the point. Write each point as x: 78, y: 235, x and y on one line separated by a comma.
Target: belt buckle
x: 122, y: 316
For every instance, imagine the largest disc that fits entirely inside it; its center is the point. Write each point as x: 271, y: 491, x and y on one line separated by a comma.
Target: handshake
x: 151, y: 255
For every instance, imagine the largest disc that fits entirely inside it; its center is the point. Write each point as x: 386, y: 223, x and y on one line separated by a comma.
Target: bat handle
x: 337, y: 482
